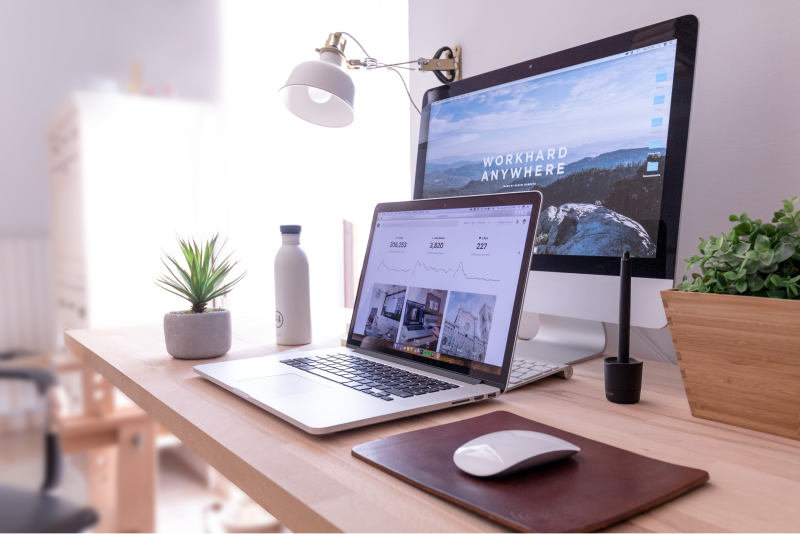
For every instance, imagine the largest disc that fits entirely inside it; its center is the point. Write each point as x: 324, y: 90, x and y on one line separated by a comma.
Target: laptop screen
x: 445, y: 281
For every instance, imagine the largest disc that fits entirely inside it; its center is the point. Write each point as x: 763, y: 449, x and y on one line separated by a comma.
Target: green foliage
x: 203, y: 280
x: 756, y: 259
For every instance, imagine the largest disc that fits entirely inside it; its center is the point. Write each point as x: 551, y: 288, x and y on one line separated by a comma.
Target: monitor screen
x: 591, y: 137
x: 457, y: 271
x: 414, y: 313
x: 393, y: 305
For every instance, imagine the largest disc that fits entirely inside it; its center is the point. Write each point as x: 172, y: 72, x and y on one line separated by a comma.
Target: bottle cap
x: 290, y: 228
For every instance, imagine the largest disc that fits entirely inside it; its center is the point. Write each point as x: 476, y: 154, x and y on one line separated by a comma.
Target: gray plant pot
x: 194, y: 336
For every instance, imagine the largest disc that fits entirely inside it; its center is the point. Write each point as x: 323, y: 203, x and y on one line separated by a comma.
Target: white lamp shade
x: 325, y: 74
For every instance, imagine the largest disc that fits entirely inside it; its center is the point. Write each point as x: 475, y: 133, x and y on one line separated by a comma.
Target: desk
x: 312, y: 483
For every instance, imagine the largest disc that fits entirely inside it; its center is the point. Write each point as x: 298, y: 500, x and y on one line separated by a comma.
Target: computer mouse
x: 510, y: 451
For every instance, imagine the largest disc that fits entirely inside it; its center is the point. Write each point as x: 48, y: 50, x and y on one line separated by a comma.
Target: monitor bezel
x: 504, y: 199
x: 684, y: 29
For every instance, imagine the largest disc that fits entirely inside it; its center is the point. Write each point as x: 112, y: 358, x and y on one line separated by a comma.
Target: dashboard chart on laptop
x: 441, y: 283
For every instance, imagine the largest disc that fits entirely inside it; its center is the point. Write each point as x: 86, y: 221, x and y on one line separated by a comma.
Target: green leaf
x: 741, y: 248
x: 761, y: 244
x: 783, y: 252
x: 756, y: 284
x: 733, y: 218
x: 767, y: 268
x: 773, y: 281
x: 202, y: 279
x: 751, y: 255
x: 776, y: 294
x: 742, y: 229
x: 730, y: 275
x: 769, y: 229
x: 767, y: 257
x: 741, y: 286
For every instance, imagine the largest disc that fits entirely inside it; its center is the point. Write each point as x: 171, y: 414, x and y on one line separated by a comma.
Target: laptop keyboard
x: 376, y: 379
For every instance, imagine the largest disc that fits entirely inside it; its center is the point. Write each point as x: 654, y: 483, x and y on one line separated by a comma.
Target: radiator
x: 27, y: 307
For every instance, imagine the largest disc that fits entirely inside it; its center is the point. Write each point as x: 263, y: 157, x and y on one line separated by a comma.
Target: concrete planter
x: 194, y: 336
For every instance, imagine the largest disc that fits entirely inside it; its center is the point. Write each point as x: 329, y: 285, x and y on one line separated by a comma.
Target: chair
x: 40, y: 511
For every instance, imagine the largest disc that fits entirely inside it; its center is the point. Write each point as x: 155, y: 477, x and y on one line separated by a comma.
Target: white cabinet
x: 127, y: 174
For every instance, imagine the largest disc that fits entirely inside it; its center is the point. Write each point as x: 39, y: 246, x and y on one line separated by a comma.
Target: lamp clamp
x: 451, y: 63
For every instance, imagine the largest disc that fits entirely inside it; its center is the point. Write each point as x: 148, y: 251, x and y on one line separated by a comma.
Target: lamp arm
x: 451, y: 65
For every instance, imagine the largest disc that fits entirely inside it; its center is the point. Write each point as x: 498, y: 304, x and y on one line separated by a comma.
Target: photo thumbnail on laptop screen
x: 441, y: 284
x: 592, y: 138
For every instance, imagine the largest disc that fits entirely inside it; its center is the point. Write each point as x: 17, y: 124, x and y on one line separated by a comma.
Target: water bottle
x: 292, y: 294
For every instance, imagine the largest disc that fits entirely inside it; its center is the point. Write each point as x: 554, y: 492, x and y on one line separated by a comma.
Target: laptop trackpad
x: 271, y: 387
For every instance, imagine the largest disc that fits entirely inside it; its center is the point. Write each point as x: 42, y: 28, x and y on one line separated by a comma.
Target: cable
x: 407, y: 92
x: 359, y: 44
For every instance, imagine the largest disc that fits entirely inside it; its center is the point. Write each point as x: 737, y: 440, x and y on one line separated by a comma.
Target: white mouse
x: 510, y: 451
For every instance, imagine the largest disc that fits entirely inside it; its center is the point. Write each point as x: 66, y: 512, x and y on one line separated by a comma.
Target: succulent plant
x: 754, y: 258
x: 203, y: 280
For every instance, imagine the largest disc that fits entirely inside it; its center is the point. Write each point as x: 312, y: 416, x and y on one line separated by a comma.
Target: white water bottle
x: 292, y: 293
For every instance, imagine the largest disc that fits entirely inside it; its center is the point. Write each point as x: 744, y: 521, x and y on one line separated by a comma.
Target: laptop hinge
x: 421, y: 366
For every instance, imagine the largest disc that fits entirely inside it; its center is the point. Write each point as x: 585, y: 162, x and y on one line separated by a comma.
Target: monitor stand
x: 564, y: 340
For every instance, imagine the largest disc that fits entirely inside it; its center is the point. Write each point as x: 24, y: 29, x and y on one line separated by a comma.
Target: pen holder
x: 623, y: 380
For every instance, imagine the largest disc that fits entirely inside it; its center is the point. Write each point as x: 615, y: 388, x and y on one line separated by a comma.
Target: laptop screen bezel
x: 533, y: 198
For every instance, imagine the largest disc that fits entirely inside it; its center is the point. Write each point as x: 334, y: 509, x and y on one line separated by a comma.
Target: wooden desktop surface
x: 312, y: 483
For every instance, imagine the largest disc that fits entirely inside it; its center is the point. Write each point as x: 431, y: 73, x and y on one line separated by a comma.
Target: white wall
x: 51, y: 48
x: 284, y: 170
x: 745, y: 123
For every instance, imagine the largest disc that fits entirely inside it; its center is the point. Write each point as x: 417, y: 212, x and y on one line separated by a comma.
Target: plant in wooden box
x: 199, y: 332
x: 736, y: 325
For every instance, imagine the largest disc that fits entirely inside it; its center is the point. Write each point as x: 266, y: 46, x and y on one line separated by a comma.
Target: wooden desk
x: 312, y: 483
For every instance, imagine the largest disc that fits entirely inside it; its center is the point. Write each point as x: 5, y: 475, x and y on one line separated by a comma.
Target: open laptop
x: 467, y: 259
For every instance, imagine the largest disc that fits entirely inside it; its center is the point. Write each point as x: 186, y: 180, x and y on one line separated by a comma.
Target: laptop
x: 468, y: 257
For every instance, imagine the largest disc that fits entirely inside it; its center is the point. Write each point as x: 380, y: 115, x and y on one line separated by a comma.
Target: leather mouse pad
x: 599, y: 486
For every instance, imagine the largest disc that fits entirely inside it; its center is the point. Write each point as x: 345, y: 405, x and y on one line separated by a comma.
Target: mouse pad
x: 599, y: 486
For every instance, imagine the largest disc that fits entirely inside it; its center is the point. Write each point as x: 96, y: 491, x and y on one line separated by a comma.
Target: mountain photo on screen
x: 467, y: 325
x: 592, y: 138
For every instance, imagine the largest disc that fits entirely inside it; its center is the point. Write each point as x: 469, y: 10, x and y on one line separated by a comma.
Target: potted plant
x: 199, y: 332
x: 736, y: 325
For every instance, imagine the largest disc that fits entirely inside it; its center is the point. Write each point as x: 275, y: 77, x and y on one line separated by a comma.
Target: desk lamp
x: 321, y: 92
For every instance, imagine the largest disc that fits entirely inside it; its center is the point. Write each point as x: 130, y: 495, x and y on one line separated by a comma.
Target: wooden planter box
x: 739, y: 358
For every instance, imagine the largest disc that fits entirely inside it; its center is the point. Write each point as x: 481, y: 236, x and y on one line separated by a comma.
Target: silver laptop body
x: 467, y: 258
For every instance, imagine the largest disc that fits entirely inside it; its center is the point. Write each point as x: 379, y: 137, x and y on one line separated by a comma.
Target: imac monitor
x: 601, y: 130
x: 393, y: 305
x: 415, y: 312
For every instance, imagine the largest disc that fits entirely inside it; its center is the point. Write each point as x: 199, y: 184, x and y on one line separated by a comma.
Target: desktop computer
x: 601, y: 130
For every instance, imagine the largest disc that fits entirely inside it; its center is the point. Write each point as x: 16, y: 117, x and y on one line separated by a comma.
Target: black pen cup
x: 623, y: 380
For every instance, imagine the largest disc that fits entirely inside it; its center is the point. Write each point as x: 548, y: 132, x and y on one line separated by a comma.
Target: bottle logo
x: 278, y: 319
